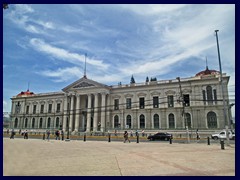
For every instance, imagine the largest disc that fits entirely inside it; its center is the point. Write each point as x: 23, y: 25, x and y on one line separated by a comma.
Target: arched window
x: 142, y: 121
x: 57, y: 122
x: 16, y: 123
x: 116, y: 121
x: 129, y: 123
x: 26, y: 122
x: 188, y: 120
x: 212, y: 120
x: 40, y: 123
x: 171, y: 121
x: 33, y: 122
x: 209, y: 94
x: 156, y: 121
x: 48, y: 122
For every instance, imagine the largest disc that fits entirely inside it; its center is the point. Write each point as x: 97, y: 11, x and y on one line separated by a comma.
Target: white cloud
x: 152, y: 9
x: 65, y: 55
x: 63, y: 74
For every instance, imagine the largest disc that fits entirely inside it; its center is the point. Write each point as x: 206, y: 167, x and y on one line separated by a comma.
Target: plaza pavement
x: 36, y: 157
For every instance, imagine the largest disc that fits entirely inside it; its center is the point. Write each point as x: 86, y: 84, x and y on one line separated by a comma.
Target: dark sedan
x: 160, y: 136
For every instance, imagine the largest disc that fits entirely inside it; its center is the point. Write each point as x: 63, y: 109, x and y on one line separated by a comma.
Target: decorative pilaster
x: 103, y: 120
x: 71, y: 113
x: 95, y: 120
x: 77, y: 113
x: 89, y: 114
x: 65, y: 110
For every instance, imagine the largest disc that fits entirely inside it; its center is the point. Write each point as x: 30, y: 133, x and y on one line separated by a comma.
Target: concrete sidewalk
x: 35, y: 157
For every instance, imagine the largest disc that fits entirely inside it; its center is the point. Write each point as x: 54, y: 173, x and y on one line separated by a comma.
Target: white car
x: 222, y: 135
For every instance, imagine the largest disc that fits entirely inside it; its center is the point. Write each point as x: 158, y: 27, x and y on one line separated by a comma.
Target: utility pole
x: 223, y: 95
x: 183, y: 110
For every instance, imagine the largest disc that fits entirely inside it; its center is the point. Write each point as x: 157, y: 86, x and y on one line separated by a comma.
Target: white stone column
x: 71, y: 113
x: 65, y: 114
x: 22, y: 107
x: 89, y: 113
x: 77, y: 113
x: 103, y: 109
x: 95, y: 120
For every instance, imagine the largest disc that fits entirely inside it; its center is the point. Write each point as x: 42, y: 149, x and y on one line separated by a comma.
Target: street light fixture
x: 183, y: 111
x: 223, y: 95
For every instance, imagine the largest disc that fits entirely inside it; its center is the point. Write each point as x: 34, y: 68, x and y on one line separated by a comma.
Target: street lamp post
x: 183, y: 111
x: 223, y: 95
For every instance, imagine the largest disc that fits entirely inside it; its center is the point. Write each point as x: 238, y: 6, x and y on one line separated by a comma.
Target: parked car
x: 160, y: 136
x: 222, y: 135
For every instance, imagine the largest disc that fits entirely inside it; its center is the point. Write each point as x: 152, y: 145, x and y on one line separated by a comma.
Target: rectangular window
x: 42, y: 108
x: 141, y: 103
x: 204, y: 97
x: 17, y: 108
x: 215, y: 95
x: 27, y: 110
x: 49, y: 108
x: 58, y: 107
x: 155, y: 102
x: 170, y: 101
x: 186, y: 100
x: 128, y: 103
x: 34, y: 109
x: 116, y: 104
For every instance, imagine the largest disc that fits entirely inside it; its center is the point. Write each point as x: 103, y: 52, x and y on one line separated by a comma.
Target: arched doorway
x: 171, y: 121
x: 156, y: 121
x: 142, y: 121
x: 129, y: 123
x: 212, y: 120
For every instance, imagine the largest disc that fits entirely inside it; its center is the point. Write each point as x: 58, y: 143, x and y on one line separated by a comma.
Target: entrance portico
x: 84, y: 107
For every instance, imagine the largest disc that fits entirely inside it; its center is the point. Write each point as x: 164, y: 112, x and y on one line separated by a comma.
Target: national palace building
x: 86, y: 105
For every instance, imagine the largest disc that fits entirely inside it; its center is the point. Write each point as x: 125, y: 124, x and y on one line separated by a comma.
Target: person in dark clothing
x: 12, y: 134
x: 44, y: 136
x: 62, y: 133
x: 26, y: 135
x: 57, y: 135
x: 48, y: 135
x: 125, y: 135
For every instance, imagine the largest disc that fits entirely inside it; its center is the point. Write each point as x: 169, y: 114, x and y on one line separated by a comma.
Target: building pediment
x: 83, y: 84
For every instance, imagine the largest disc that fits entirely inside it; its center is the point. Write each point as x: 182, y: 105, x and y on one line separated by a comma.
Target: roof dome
x: 27, y: 93
x: 207, y: 72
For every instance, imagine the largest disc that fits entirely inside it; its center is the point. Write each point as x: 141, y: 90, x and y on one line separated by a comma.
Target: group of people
x: 125, y: 135
x: 57, y: 135
x: 23, y: 133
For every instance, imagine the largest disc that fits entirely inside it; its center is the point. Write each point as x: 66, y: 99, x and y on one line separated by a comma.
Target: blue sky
x: 45, y: 45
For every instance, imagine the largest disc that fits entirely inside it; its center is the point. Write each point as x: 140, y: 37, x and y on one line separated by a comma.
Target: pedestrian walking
x: 57, y: 135
x: 131, y: 133
x: 19, y: 131
x: 62, y: 133
x: 12, y: 134
x: 198, y: 137
x: 48, y: 135
x: 125, y: 135
x: 44, y: 136
x: 136, y: 133
x: 26, y: 134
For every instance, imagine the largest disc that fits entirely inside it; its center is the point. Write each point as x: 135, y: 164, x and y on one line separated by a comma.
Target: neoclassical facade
x: 86, y: 105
